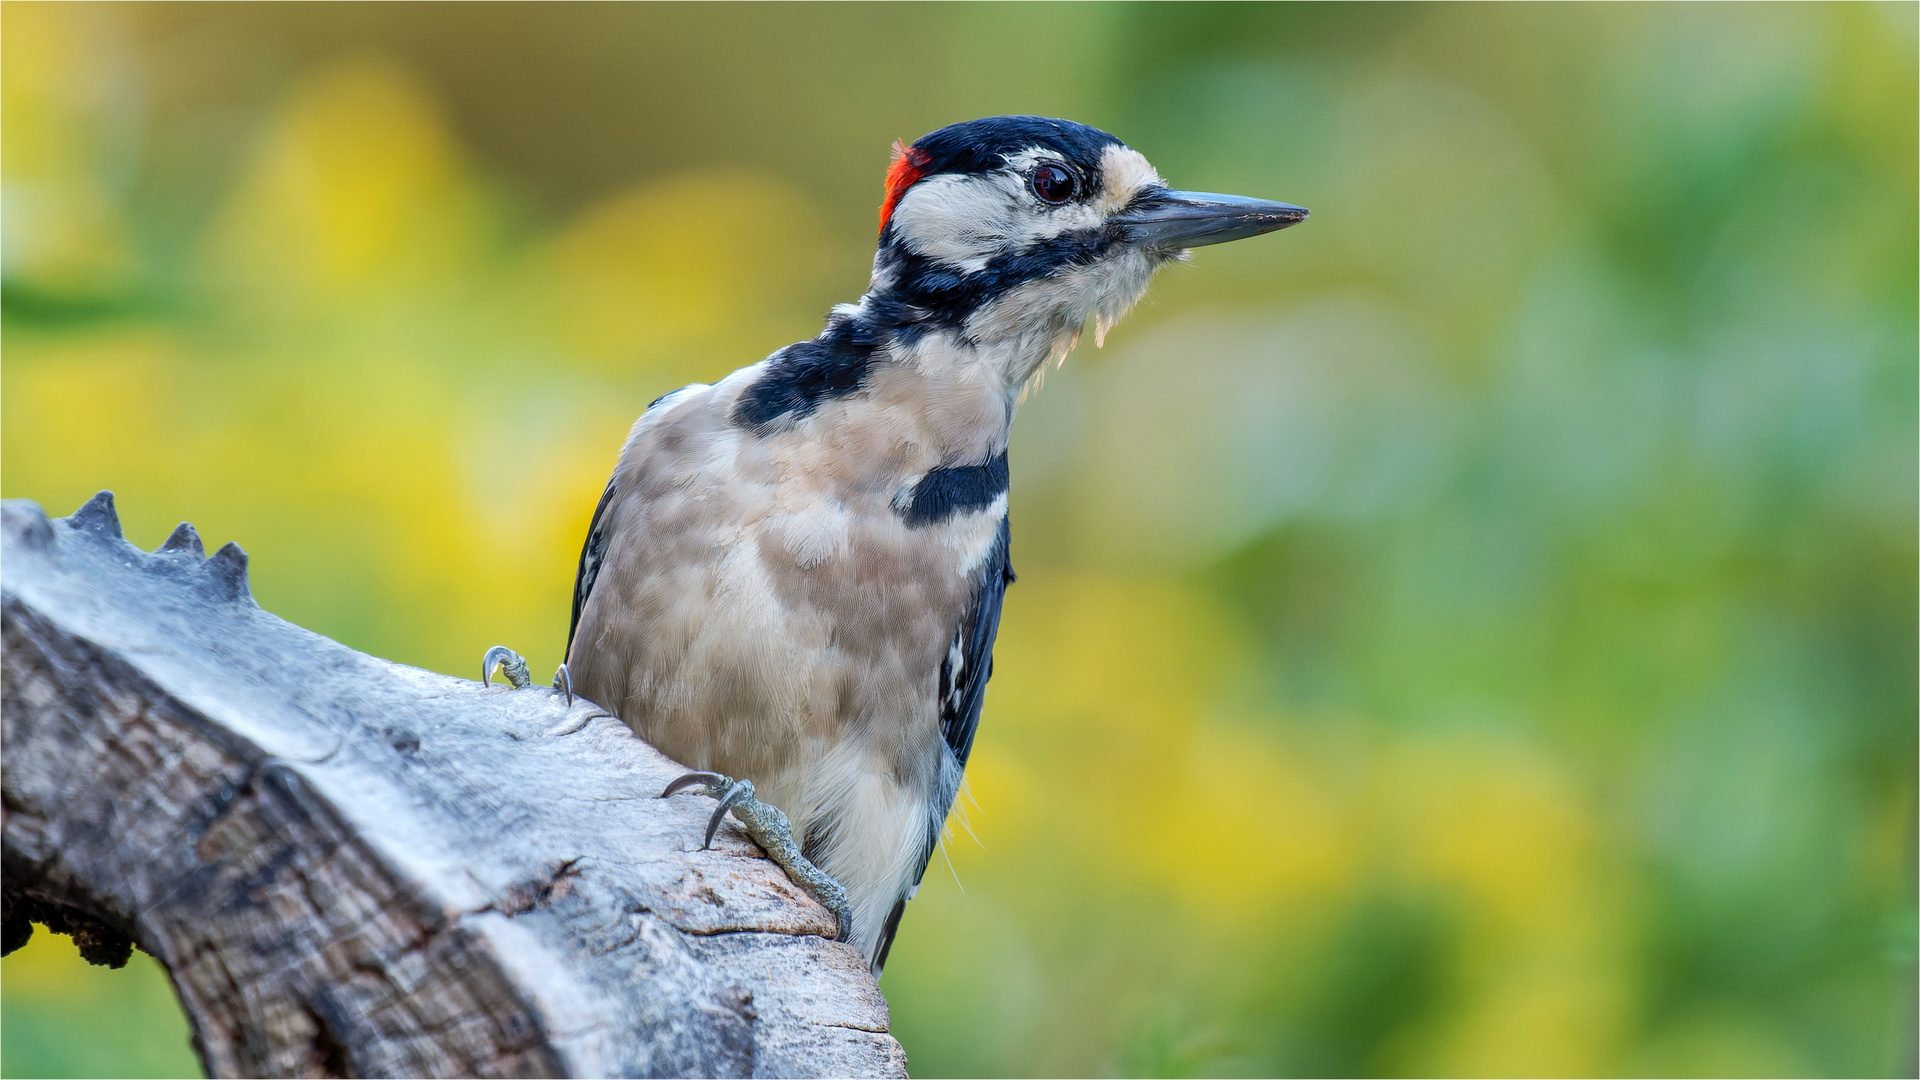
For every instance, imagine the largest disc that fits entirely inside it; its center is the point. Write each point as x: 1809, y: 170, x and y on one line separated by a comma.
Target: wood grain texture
x: 352, y: 867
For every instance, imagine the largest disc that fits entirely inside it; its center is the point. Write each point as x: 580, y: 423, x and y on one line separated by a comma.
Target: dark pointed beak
x: 1186, y: 219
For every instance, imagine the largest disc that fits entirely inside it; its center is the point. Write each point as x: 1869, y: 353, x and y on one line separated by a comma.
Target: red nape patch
x: 909, y: 165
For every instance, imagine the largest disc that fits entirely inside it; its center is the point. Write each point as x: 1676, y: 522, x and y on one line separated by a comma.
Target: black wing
x: 969, y: 664
x: 592, y: 554
x: 963, y: 690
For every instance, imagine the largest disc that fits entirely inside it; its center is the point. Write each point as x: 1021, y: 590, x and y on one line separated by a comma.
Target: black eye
x: 1052, y: 183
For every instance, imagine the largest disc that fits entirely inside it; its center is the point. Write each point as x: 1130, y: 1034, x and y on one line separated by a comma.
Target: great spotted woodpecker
x: 795, y: 574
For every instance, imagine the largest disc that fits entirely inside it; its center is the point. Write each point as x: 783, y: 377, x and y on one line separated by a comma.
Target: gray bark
x: 352, y: 867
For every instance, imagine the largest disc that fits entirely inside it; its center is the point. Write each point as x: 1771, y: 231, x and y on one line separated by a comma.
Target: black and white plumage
x: 795, y: 574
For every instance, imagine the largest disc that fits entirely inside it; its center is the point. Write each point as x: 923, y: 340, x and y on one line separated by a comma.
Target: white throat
x: 1041, y: 321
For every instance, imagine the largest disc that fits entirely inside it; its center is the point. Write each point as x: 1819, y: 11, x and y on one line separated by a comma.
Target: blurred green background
x: 1470, y: 633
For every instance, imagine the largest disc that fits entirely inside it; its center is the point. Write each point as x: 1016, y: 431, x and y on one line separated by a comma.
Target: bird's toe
x: 768, y: 826
x: 505, y: 660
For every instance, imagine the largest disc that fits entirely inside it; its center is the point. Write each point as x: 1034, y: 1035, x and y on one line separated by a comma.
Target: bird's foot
x: 514, y: 667
x: 769, y: 827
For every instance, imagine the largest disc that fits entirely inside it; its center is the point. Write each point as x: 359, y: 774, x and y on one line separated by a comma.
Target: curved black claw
x: 502, y: 658
x: 737, y: 792
x: 563, y: 682
x: 711, y: 781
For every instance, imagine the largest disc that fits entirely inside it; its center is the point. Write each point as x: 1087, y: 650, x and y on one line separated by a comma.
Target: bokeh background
x: 1470, y: 633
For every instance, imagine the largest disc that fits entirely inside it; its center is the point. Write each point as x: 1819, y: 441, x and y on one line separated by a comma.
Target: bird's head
x: 1014, y: 230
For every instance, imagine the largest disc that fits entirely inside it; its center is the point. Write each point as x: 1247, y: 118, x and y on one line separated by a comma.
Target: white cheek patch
x: 960, y: 220
x: 1123, y: 174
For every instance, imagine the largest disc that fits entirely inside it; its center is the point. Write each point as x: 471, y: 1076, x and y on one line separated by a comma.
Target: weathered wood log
x: 352, y: 867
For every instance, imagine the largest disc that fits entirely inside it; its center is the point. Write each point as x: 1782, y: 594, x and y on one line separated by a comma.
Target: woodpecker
x: 793, y: 580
